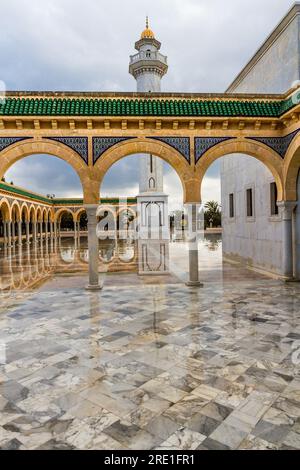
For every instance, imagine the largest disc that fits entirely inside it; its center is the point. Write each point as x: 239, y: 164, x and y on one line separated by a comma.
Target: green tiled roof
x: 22, y: 192
x: 142, y: 107
x: 56, y: 202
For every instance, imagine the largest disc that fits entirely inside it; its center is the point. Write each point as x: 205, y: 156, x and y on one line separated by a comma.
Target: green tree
x: 212, y: 214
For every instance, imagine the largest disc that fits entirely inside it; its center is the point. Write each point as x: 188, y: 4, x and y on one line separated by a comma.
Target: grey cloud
x: 75, y: 45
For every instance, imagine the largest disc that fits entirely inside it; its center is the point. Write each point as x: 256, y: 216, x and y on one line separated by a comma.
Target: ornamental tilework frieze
x: 78, y: 144
x: 279, y: 144
x: 102, y: 144
x: 181, y: 144
x: 203, y: 144
x: 7, y: 141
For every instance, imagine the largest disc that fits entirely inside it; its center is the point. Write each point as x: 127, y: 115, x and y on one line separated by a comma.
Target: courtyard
x: 148, y: 363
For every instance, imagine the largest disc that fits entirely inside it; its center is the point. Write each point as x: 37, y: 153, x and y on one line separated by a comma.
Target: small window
x: 231, y: 206
x: 273, y: 195
x: 151, y: 183
x: 249, y: 202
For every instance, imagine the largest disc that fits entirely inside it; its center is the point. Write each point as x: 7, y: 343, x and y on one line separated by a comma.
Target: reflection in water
x: 24, y: 267
x: 213, y: 241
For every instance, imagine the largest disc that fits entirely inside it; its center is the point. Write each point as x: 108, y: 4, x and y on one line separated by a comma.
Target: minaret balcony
x: 148, y: 56
x: 145, y: 60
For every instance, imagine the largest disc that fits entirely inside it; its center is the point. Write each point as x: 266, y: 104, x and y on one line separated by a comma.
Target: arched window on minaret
x: 152, y: 183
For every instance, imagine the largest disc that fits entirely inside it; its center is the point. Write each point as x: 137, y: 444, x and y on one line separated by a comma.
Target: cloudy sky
x: 75, y: 45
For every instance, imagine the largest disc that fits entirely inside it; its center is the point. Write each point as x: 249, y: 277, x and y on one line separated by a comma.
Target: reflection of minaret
x: 148, y: 67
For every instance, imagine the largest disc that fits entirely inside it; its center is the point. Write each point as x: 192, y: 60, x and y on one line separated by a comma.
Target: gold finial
x: 147, y: 33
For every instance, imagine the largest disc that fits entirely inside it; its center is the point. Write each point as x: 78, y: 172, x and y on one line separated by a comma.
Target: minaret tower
x: 148, y: 67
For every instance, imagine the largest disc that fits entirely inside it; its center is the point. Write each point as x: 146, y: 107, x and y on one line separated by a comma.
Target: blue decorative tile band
x: 101, y: 144
x: 279, y: 144
x: 78, y: 144
x: 7, y: 141
x: 203, y: 144
x: 181, y: 144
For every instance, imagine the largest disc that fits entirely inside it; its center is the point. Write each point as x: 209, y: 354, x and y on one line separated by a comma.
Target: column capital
x: 286, y: 209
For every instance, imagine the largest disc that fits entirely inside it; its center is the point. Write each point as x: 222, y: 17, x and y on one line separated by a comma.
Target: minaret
x: 148, y: 67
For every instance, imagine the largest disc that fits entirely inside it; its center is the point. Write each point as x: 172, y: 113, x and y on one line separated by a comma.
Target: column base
x: 94, y: 287
x: 291, y: 279
x: 194, y: 284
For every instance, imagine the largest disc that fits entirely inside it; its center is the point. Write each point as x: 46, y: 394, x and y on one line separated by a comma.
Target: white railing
x: 148, y: 55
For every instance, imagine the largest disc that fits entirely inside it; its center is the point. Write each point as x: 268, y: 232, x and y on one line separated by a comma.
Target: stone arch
x: 155, y: 148
x: 61, y: 211
x: 50, y: 215
x: 38, y: 214
x: 45, y: 214
x: 78, y: 214
x: 247, y: 147
x: 25, y: 148
x: 32, y: 213
x: 291, y: 169
x: 16, y: 206
x: 24, y: 209
x: 5, y: 209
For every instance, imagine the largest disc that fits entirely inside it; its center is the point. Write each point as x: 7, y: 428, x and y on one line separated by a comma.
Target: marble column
x: 75, y: 230
x: 27, y: 233
x: 34, y: 232
x: 8, y: 231
x: 192, y: 210
x: 286, y: 209
x: 13, y: 232
x: 4, y: 232
x: 93, y: 248
x: 41, y: 231
x: 19, y: 232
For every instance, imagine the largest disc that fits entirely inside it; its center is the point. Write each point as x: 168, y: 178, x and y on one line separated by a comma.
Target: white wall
x: 254, y: 241
x: 258, y: 243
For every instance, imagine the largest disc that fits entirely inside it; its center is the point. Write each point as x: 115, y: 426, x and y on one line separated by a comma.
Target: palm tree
x: 212, y: 214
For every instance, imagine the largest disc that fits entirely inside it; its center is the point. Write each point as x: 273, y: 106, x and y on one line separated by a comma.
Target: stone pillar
x: 19, y: 232
x: 27, y: 233
x: 4, y: 232
x: 93, y: 248
x: 41, y: 231
x: 34, y: 232
x: 8, y: 227
x: 192, y: 210
x: 286, y: 209
x: 75, y: 229
x: 13, y: 232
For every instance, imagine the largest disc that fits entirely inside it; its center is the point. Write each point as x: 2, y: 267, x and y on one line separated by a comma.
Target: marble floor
x: 151, y: 365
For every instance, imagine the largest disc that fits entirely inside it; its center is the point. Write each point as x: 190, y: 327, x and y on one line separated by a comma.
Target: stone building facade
x: 252, y: 222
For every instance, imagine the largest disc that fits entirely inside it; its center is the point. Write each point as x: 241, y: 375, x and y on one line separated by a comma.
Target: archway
x: 157, y: 149
x: 291, y: 169
x: 65, y: 219
x: 126, y: 188
x: 253, y: 149
x: 81, y: 219
x: 29, y: 147
x: 4, y: 219
x: 251, y: 180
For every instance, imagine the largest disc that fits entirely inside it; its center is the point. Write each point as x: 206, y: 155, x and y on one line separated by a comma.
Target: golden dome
x: 147, y: 33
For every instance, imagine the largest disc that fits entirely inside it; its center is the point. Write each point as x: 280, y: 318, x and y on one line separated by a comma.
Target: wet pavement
x: 147, y: 363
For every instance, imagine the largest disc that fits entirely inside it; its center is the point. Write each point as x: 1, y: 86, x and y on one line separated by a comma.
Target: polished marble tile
x: 158, y: 367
